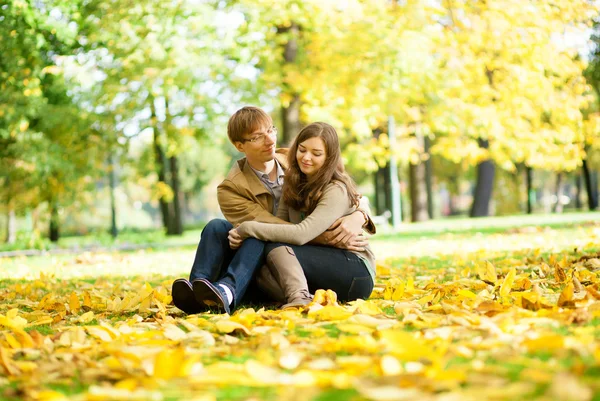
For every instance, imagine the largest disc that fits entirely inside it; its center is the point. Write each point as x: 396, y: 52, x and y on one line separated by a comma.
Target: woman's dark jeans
x: 332, y: 268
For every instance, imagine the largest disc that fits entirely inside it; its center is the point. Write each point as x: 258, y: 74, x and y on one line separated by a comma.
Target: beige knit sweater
x: 334, y: 203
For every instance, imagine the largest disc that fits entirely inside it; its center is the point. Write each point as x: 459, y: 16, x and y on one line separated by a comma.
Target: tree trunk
x: 54, y: 233
x: 484, y: 185
x: 112, y: 179
x: 159, y: 156
x: 378, y: 183
x: 589, y: 186
x: 290, y: 114
x: 418, y: 192
x: 594, y: 179
x: 290, y: 117
x: 177, y: 226
x: 530, y: 194
x: 453, y: 192
x: 578, y: 204
x: 558, y: 206
x: 185, y: 202
x: 383, y: 191
x: 428, y: 176
x: 11, y: 225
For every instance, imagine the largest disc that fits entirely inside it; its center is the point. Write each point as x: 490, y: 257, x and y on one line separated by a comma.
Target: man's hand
x: 235, y: 239
x: 357, y: 243
x: 343, y: 231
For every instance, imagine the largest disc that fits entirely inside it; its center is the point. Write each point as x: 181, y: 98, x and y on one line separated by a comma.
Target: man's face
x: 259, y: 146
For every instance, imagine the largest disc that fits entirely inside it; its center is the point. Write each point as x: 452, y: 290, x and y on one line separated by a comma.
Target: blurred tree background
x: 113, y: 113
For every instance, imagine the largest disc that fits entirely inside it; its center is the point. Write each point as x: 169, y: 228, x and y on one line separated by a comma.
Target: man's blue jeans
x: 220, y: 264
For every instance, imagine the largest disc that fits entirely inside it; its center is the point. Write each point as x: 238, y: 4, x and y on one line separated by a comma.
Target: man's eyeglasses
x: 260, y: 139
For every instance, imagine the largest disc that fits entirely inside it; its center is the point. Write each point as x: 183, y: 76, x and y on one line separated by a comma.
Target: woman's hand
x: 235, y: 239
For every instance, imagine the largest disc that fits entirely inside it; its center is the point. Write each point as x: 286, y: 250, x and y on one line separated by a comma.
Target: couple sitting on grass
x: 293, y: 224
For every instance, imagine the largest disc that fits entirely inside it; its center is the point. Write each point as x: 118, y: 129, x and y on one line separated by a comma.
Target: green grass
x: 154, y: 238
x: 337, y: 394
x: 73, y: 387
x: 235, y: 393
x: 490, y: 225
x: 44, y: 329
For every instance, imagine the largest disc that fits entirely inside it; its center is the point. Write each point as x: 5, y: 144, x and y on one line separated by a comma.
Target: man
x: 222, y: 271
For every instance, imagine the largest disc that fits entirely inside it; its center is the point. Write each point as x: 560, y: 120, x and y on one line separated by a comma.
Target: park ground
x: 503, y: 308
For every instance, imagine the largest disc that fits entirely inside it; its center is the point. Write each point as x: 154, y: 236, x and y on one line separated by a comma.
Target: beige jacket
x: 243, y: 197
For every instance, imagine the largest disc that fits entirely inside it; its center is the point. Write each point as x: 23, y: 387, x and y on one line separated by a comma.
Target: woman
x: 316, y: 192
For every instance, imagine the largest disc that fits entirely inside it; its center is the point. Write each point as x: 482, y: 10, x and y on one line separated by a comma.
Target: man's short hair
x: 245, y: 121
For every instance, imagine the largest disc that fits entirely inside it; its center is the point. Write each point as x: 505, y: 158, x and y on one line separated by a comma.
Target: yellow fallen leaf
x: 566, y: 386
x: 290, y: 359
x: 7, y: 363
x: 546, y: 342
x: 74, y: 303
x: 87, y: 301
x: 50, y: 395
x: 404, y: 345
x: 365, y: 307
x: 168, y: 363
x: 145, y: 304
x: 593, y: 293
x: 127, y: 384
x: 321, y: 364
x: 508, y: 282
x: 426, y: 299
x: 566, y: 296
x: 389, y: 392
x: 390, y: 366
x: 146, y: 290
x: 174, y: 333
x: 228, y: 326
x: 329, y: 312
x: 261, y: 373
x: 487, y: 272
x: 99, y: 333
x: 26, y: 366
x: 466, y: 294
x: 86, y: 317
x: 12, y: 321
x: 372, y: 322
x: 12, y: 341
x: 559, y: 274
x: 401, y: 307
x: 98, y: 393
x: 354, y: 328
x: 382, y: 269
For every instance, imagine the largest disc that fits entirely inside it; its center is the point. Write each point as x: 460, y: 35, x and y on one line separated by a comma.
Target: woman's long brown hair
x: 303, y: 193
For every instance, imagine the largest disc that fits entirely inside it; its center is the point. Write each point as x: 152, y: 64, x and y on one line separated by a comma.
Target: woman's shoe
x: 302, y: 299
x: 288, y: 273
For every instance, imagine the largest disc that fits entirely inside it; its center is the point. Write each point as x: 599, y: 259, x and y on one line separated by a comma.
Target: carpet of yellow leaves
x: 470, y: 327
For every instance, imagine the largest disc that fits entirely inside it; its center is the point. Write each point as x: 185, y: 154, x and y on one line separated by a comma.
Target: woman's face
x: 311, y: 155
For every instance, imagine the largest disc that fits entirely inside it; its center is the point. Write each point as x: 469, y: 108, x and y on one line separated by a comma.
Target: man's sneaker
x: 210, y: 295
x: 183, y: 297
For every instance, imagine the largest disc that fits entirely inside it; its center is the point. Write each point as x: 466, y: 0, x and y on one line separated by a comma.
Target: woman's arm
x: 333, y: 204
